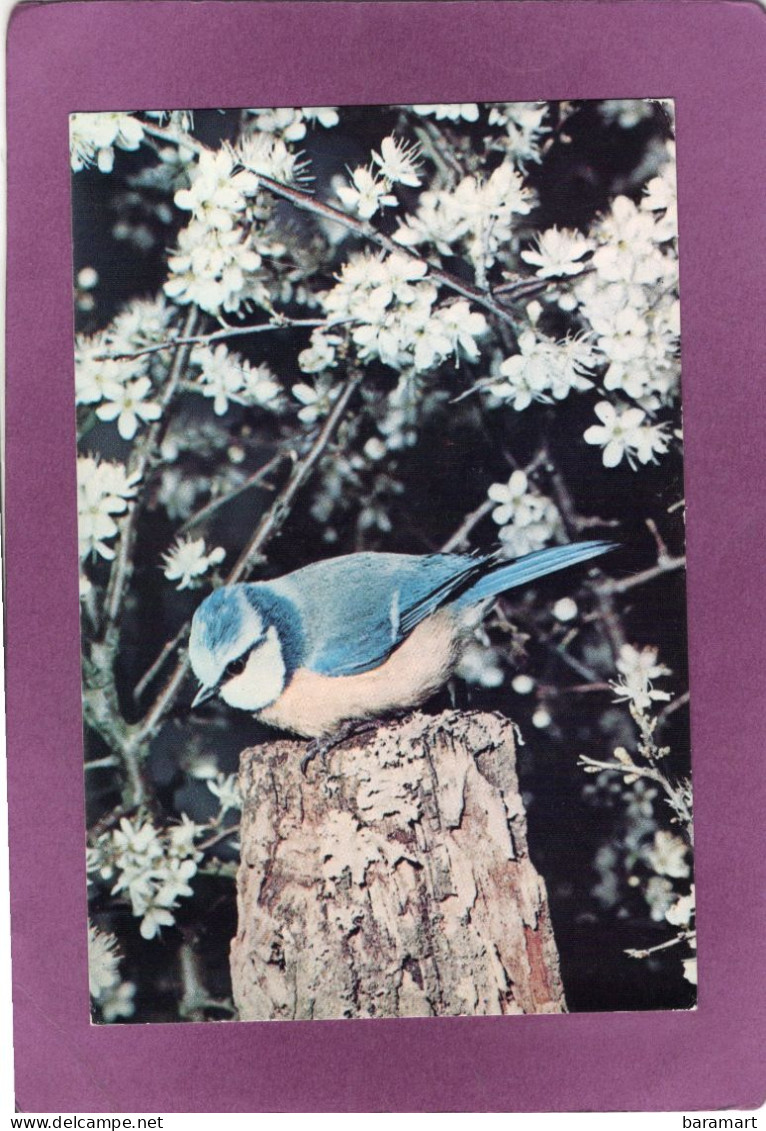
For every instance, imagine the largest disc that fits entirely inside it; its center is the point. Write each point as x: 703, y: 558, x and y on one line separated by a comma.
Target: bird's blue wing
x: 356, y: 610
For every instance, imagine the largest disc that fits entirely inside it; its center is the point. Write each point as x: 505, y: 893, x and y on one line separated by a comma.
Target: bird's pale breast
x: 313, y: 705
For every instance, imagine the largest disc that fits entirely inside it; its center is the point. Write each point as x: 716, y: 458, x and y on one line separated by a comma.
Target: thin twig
x: 666, y: 565
x: 217, y: 837
x: 671, y: 708
x: 156, y: 667
x: 220, y: 335
x: 457, y: 540
x: 684, y: 936
x: 142, y: 459
x: 268, y: 527
x: 305, y: 202
x: 276, y: 515
x: 255, y: 480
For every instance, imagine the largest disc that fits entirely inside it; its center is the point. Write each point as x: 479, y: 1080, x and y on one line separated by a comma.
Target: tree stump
x: 393, y: 880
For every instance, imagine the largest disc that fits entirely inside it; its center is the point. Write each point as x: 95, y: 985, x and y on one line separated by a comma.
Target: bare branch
x: 268, y: 527
x: 275, y: 516
x: 624, y: 584
x: 459, y: 539
x: 220, y: 335
x: 141, y: 460
x: 257, y: 479
x: 305, y: 202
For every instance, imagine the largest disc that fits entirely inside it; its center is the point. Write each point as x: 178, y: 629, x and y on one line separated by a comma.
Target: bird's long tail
x: 501, y: 576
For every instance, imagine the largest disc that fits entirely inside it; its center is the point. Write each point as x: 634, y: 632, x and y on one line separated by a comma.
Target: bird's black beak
x: 203, y: 695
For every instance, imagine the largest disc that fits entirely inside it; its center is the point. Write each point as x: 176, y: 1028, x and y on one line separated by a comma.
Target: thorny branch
x: 305, y: 202
x: 268, y: 527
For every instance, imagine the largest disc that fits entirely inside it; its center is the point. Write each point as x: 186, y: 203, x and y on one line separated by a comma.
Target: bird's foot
x: 321, y: 747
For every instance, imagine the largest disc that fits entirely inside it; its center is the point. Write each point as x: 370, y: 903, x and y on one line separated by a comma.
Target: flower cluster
x: 525, y: 131
x: 188, y: 560
x: 224, y: 377
x: 477, y: 217
x: 558, y: 252
x: 226, y: 788
x: 220, y: 252
x: 110, y: 376
x: 543, y: 371
x: 626, y: 432
x: 368, y: 191
x: 151, y: 866
x: 291, y: 123
x: 113, y: 996
x: 638, y: 670
x: 395, y: 316
x: 449, y: 111
x: 103, y: 491
x: 94, y: 137
x: 527, y: 520
x: 629, y: 303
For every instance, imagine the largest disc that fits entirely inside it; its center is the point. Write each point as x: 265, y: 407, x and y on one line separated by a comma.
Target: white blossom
x: 667, y: 855
x: 565, y: 610
x: 681, y: 912
x: 527, y: 520
x: 289, y: 123
x: 103, y: 961
x: 118, y: 1001
x: 154, y: 867
x: 265, y: 155
x: 320, y: 354
x: 477, y: 214
x: 215, y: 268
x: 226, y: 789
x: 127, y: 404
x: 398, y: 161
x: 94, y: 372
x: 559, y: 252
x: 449, y: 111
x: 327, y: 116
x: 524, y: 129
x: 638, y: 670
x: 395, y: 315
x: 93, y: 138
x: 216, y: 194
x: 618, y: 434
x: 317, y: 399
x: 103, y: 491
x: 543, y: 371
x: 366, y: 194
x: 225, y: 377
x: 661, y: 197
x: 188, y: 560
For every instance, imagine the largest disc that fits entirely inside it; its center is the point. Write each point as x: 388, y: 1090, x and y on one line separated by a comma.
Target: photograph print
x: 381, y: 540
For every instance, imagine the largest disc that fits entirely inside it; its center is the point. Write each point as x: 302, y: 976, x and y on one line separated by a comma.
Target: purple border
x: 711, y: 58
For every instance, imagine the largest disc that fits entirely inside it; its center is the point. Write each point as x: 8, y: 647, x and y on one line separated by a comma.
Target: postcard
x: 377, y: 405
x: 388, y: 409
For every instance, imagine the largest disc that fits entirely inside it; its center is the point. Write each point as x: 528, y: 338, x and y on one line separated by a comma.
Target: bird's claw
x: 321, y: 747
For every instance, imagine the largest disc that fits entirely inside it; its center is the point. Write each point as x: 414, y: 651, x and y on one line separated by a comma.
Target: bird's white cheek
x: 262, y: 681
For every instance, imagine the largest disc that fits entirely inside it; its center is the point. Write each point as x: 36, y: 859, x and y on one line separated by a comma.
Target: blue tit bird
x: 353, y: 638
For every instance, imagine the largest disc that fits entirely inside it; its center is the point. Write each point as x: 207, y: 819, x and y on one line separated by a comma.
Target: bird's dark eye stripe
x: 236, y: 667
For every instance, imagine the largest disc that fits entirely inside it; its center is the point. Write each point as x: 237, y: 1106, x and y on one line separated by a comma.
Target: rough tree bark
x: 393, y: 880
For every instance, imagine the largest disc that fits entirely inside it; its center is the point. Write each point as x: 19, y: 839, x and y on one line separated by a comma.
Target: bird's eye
x: 236, y: 667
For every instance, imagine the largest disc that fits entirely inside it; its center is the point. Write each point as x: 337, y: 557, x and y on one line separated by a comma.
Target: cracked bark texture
x: 393, y: 880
